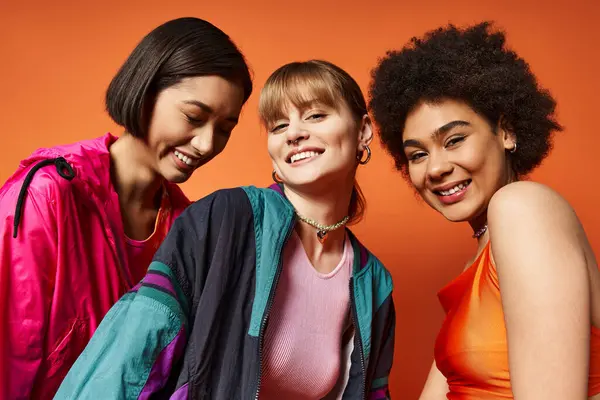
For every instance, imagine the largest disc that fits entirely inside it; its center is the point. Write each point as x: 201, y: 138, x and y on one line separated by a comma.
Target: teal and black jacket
x: 193, y: 328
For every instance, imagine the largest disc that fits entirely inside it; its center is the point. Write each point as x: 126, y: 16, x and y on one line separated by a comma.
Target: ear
x: 506, y: 134
x: 365, y: 134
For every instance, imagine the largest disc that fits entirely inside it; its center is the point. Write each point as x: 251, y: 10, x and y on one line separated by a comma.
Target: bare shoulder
x: 530, y: 221
x: 521, y: 204
x: 529, y: 195
x: 539, y: 250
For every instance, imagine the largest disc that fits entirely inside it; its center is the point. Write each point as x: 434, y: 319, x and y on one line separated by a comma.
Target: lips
x: 303, y: 153
x: 303, y: 156
x: 448, y: 190
x: 187, y: 159
x: 453, y: 192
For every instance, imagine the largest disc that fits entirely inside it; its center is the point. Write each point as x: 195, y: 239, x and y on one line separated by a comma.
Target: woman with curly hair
x: 465, y: 121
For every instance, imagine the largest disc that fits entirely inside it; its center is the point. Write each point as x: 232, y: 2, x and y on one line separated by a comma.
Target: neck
x: 135, y: 181
x: 477, y: 225
x: 480, y: 222
x: 326, y: 208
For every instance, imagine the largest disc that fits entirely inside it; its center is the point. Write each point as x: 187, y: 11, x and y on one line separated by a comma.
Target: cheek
x: 476, y: 160
x: 416, y: 174
x: 347, y: 148
x: 166, y: 128
x: 339, y: 135
x: 272, y: 147
x: 482, y: 152
x: 484, y: 161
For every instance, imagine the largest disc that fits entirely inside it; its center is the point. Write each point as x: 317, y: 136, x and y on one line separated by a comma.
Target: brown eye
x: 317, y: 116
x: 416, y: 156
x: 278, y: 127
x: 454, y: 141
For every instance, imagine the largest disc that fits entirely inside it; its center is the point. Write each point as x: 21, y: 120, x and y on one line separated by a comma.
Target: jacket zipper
x: 357, y: 332
x: 269, y: 305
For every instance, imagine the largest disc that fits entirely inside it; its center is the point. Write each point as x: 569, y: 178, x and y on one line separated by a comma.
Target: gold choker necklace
x: 323, y: 230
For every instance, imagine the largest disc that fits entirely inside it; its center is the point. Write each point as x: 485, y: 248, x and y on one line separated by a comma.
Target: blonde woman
x: 263, y: 293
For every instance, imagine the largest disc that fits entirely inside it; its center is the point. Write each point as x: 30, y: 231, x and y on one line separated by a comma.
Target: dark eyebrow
x: 208, y: 110
x: 437, y: 133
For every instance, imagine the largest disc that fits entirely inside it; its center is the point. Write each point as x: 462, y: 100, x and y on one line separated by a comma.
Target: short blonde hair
x: 301, y: 84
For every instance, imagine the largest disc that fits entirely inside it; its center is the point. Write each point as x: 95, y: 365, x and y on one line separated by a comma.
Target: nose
x: 203, y: 141
x: 438, y: 166
x: 295, y: 133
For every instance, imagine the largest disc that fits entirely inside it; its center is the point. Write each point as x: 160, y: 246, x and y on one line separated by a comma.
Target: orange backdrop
x: 58, y: 57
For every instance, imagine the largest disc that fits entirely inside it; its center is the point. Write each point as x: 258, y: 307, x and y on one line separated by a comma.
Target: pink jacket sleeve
x: 27, y: 270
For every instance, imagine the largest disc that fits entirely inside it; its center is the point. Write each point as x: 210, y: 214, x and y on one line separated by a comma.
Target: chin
x: 458, y: 212
x: 315, y: 174
x: 176, y: 177
x: 173, y: 174
x: 179, y: 179
x: 304, y: 178
x: 455, y: 216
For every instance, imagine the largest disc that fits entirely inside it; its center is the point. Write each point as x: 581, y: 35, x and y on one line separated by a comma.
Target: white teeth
x: 303, y: 155
x: 453, y: 190
x: 184, y: 158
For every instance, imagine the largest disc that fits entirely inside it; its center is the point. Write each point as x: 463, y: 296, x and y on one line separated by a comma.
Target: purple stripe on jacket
x: 159, y: 374
x: 180, y: 394
x: 276, y: 188
x: 379, y: 394
x: 160, y: 280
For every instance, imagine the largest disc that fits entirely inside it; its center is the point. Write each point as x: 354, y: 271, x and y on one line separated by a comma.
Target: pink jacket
x: 66, y: 266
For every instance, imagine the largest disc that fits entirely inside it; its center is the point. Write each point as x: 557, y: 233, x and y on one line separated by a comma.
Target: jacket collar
x: 363, y: 254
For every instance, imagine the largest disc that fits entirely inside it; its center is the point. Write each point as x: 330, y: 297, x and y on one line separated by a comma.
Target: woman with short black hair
x: 81, y: 222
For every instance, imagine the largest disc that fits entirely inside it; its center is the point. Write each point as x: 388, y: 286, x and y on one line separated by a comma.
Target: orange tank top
x: 141, y: 252
x: 471, y: 348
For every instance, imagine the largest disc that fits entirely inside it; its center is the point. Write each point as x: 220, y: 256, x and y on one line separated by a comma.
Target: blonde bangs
x: 298, y: 85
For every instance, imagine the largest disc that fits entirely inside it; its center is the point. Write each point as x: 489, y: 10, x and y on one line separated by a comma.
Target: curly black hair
x: 470, y: 65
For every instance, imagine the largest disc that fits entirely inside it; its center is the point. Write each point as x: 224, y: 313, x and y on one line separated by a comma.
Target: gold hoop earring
x: 366, y: 160
x: 276, y: 177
